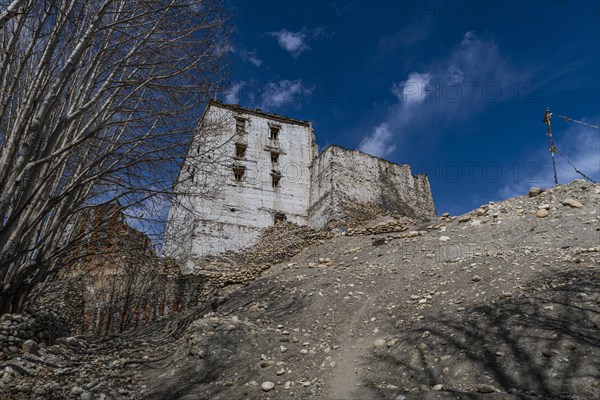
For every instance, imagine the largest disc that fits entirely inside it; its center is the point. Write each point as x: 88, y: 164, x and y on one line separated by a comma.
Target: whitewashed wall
x: 228, y: 215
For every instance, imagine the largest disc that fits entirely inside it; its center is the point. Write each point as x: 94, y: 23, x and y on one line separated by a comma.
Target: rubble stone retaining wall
x: 41, y: 326
x: 121, y: 299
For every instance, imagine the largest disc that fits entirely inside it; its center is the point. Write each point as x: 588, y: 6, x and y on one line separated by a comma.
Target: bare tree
x: 98, y: 103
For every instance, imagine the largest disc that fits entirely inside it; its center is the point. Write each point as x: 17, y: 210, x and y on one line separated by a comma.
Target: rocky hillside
x: 500, y: 303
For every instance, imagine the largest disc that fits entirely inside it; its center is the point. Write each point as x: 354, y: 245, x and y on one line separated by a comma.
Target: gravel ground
x: 500, y: 303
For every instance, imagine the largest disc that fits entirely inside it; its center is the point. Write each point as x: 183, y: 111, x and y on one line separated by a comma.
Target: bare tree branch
x: 99, y: 101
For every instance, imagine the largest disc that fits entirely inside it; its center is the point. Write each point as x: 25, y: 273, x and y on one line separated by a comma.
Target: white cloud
x: 469, y: 37
x: 232, y: 96
x: 474, y: 75
x: 250, y: 57
x: 284, y: 92
x: 413, y: 90
x: 270, y: 95
x: 454, y: 75
x: 296, y: 43
x: 292, y: 42
x: 380, y: 142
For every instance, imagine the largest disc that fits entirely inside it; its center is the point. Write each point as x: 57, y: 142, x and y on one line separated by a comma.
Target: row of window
x: 240, y: 152
x: 239, y: 171
x: 240, y: 128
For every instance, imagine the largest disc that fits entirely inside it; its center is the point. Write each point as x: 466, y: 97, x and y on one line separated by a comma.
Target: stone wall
x: 137, y: 291
x: 116, y: 281
x: 350, y: 186
x: 41, y: 326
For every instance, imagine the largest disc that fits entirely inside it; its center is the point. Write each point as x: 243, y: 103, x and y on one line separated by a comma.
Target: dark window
x: 240, y: 150
x: 239, y: 172
x: 240, y: 125
x: 274, y: 157
x: 274, y: 132
x: 279, y: 217
x: 275, y: 178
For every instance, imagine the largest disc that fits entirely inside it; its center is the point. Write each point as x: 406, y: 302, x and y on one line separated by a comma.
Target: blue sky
x: 455, y: 89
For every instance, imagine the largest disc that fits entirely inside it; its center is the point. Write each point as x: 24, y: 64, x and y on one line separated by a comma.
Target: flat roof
x: 260, y: 113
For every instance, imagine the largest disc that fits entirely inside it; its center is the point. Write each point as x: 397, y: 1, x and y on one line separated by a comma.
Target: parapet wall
x: 347, y: 182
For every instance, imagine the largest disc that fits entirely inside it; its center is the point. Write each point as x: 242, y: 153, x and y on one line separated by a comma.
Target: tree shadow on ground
x: 545, y: 343
x: 218, y: 365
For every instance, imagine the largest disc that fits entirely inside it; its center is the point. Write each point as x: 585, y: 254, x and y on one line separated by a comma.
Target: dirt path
x: 346, y: 382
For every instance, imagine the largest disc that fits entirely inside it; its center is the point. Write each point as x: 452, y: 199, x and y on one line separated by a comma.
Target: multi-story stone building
x: 247, y: 170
